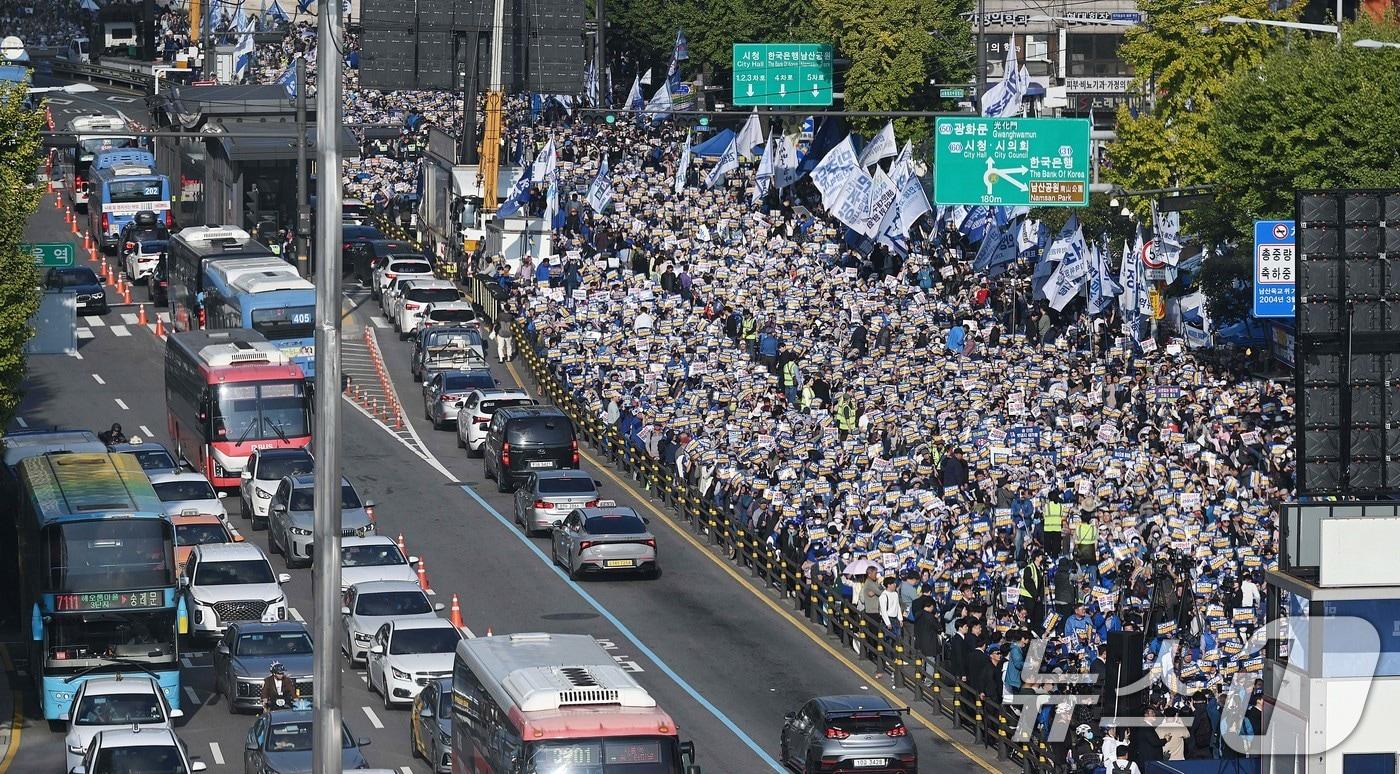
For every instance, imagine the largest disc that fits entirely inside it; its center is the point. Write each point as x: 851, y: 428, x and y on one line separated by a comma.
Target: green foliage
x: 20, y: 147
x: 1183, y: 59
x: 895, y: 47
x: 1225, y: 279
x: 1316, y: 116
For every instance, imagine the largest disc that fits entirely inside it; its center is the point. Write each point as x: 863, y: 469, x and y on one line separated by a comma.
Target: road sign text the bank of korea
x: 782, y: 74
x: 1012, y: 161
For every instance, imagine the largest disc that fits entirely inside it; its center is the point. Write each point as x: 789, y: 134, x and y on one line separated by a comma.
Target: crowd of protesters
x: 960, y: 458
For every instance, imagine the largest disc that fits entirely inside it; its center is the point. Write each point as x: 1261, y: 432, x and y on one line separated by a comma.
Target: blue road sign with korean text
x: 1275, y: 268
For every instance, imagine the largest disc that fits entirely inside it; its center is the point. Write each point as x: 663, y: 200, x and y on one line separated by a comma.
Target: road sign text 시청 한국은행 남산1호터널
x: 782, y: 74
x: 1012, y: 161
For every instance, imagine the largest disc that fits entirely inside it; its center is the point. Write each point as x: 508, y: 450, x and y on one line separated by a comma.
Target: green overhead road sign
x: 782, y: 74
x: 1011, y: 161
x: 51, y: 255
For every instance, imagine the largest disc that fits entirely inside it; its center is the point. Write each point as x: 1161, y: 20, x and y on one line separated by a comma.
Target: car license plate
x: 619, y: 563
x: 545, y: 464
x: 868, y: 762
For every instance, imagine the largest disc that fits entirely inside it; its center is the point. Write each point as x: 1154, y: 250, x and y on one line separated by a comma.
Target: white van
x: 78, y: 51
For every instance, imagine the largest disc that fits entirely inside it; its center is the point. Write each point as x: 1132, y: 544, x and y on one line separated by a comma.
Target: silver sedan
x: 547, y: 496
x: 604, y: 541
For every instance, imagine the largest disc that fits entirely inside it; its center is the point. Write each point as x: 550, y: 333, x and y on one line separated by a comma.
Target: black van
x: 522, y: 439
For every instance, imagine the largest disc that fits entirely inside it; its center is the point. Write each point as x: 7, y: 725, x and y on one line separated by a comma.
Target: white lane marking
x: 95, y: 321
x: 20, y: 421
x: 79, y: 355
x: 216, y: 753
x: 146, y: 431
x: 379, y: 322
x: 86, y: 333
x: 120, y: 330
x: 405, y: 770
x: 186, y: 662
x: 194, y: 697
x: 373, y: 718
x: 296, y: 614
x: 98, y: 379
x: 130, y: 319
x: 122, y: 404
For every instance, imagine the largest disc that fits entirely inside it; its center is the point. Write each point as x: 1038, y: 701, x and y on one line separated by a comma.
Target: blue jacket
x: 1015, y: 662
x: 767, y: 345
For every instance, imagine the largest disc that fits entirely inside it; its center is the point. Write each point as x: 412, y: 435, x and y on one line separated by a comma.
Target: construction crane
x: 490, y: 165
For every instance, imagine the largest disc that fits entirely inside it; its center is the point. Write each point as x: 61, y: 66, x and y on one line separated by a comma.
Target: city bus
x: 105, y: 136
x: 268, y: 296
x: 96, y: 575
x: 188, y: 255
x: 228, y: 393
x: 122, y: 183
x: 537, y: 703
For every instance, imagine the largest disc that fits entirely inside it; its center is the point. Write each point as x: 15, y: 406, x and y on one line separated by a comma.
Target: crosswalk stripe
x: 95, y: 322
x: 120, y: 330
x: 130, y: 318
x: 86, y: 333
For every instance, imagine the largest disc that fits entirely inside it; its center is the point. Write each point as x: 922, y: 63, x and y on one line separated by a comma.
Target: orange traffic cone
x: 160, y: 326
x: 126, y: 293
x: 488, y: 631
x: 141, y: 315
x: 102, y: 271
x: 455, y: 614
x: 422, y: 575
x: 402, y: 550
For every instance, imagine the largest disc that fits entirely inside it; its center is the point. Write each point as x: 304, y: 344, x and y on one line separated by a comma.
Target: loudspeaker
x: 1123, y: 667
x: 1347, y: 379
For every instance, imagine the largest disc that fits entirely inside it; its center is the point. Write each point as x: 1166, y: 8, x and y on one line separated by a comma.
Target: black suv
x: 523, y: 439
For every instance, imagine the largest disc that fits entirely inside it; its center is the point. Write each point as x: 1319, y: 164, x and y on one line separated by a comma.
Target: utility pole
x: 326, y: 741
x: 470, y: 43
x: 303, y: 220
x: 600, y: 50
x: 210, y: 70
x: 981, y: 54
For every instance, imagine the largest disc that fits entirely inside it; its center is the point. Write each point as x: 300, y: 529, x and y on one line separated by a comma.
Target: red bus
x: 539, y: 703
x: 228, y: 392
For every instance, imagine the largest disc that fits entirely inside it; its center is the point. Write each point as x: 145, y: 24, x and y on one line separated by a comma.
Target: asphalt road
x: 724, y: 658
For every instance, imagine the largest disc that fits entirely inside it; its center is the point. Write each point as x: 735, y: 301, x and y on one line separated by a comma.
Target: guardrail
x: 121, y: 79
x: 988, y: 721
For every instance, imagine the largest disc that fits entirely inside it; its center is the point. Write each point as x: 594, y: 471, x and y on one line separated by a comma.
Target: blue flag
x: 288, y: 80
x: 974, y: 224
x: 276, y: 12
x: 996, y: 251
x: 304, y: 6
x: 518, y: 197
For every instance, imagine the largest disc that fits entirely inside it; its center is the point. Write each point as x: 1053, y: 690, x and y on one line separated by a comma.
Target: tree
x: 1182, y: 59
x: 20, y: 147
x: 1313, y: 116
x: 895, y: 47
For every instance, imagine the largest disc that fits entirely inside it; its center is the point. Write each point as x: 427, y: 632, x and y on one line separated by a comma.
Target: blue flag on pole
x: 288, y: 80
x: 519, y: 195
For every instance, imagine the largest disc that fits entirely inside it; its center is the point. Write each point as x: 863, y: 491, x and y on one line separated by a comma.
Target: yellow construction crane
x: 490, y: 166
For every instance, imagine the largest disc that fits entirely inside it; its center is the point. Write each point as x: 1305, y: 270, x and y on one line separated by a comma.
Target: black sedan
x: 82, y: 282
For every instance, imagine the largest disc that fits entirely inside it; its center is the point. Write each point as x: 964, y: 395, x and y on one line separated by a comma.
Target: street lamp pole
x: 981, y: 53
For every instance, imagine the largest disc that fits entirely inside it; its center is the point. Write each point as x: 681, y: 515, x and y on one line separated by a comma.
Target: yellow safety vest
x: 748, y: 328
x: 1035, y: 575
x: 1054, y: 517
x: 806, y: 397
x: 790, y: 374
x: 1086, y: 533
x: 845, y: 415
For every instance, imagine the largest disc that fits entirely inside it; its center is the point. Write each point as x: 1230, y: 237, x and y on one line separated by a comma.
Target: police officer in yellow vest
x: 806, y: 396
x: 1053, y: 530
x: 748, y: 332
x: 1086, y: 541
x: 789, y: 376
x: 845, y: 414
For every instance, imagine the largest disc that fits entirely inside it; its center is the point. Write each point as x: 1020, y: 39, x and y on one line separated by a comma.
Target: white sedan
x: 369, y: 605
x: 374, y: 558
x: 114, y: 703
x: 416, y: 295
x: 407, y: 654
x: 188, y: 493
x: 478, y: 408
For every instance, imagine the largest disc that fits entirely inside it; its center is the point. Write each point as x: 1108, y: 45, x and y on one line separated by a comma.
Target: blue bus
x: 122, y: 183
x: 268, y: 296
x: 97, y: 575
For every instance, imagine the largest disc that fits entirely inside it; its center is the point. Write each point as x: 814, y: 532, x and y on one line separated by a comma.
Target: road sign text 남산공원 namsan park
x: 1011, y: 161
x: 51, y: 255
x: 782, y: 74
